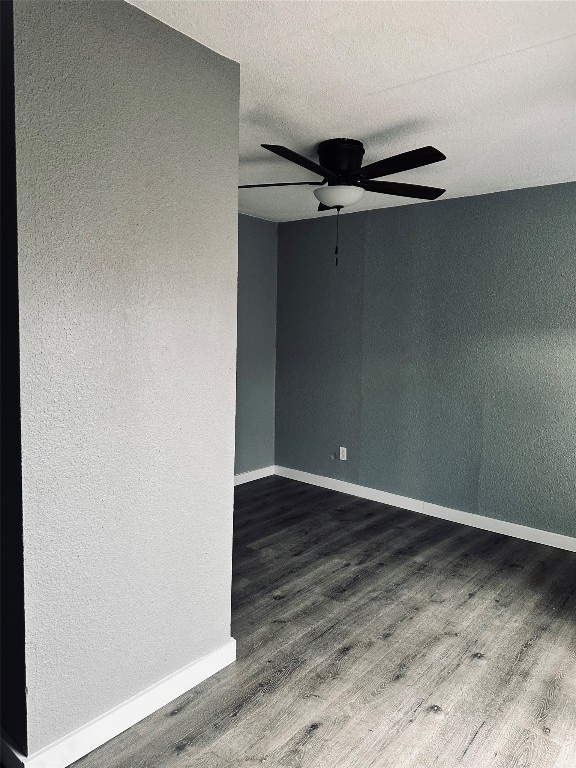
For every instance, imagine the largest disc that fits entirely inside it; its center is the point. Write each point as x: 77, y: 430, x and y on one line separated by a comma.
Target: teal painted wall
x: 256, y: 355
x: 441, y: 352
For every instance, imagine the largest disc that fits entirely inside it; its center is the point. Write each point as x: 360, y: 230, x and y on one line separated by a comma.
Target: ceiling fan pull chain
x: 338, y: 209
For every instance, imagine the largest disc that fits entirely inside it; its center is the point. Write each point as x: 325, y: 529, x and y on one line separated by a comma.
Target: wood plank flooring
x: 371, y: 636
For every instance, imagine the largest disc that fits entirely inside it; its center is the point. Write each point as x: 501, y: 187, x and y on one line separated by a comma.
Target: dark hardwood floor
x: 372, y: 636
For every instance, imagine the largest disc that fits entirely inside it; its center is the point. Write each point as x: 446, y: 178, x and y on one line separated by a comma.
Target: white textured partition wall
x: 127, y: 145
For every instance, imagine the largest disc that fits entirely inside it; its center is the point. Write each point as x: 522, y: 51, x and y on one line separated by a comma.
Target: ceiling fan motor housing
x: 341, y: 156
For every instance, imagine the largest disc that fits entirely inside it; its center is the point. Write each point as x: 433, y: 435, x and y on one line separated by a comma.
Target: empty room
x: 288, y: 384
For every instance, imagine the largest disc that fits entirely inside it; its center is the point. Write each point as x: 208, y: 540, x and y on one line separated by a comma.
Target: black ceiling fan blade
x: 280, y: 184
x: 323, y: 207
x: 294, y: 157
x: 406, y: 161
x: 402, y: 190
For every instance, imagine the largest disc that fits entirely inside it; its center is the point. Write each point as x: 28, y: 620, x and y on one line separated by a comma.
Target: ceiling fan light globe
x: 338, y: 195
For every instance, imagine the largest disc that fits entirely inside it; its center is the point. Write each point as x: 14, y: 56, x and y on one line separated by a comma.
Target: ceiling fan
x: 340, y: 166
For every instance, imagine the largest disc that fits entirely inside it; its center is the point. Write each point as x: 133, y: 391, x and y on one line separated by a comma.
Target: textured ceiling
x: 490, y: 84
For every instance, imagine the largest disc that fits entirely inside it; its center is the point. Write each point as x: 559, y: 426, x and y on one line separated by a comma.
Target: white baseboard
x: 343, y: 486
x: 255, y: 474
x: 524, y: 532
x: 82, y: 741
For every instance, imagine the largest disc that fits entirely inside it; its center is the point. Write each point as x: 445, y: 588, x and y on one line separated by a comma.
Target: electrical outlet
x: 343, y: 454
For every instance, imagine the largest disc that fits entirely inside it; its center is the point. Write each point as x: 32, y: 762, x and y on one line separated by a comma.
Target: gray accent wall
x: 127, y: 152
x: 256, y: 355
x: 441, y: 352
x: 319, y: 345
